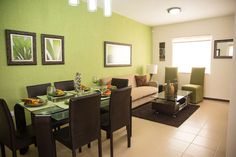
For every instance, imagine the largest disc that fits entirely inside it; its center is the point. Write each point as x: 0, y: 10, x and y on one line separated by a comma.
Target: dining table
x: 55, y: 106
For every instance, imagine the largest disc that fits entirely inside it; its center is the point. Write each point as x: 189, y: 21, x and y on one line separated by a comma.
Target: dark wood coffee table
x: 171, y: 104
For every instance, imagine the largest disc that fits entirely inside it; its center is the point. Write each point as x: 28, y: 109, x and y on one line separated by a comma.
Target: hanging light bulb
x: 73, y: 2
x: 107, y: 8
x: 92, y: 5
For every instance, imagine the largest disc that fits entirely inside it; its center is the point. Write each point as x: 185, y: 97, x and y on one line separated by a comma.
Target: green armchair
x: 196, y: 85
x: 171, y: 74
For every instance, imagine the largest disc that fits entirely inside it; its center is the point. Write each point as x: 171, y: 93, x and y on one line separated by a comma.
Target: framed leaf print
x: 21, y: 48
x: 52, y: 49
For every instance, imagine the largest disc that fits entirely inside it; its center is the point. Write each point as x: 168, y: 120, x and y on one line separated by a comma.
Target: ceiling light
x: 92, y: 5
x: 174, y: 10
x: 73, y: 2
x: 107, y: 8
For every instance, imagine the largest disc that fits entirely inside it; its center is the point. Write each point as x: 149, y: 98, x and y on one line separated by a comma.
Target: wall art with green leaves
x: 21, y: 48
x: 52, y: 49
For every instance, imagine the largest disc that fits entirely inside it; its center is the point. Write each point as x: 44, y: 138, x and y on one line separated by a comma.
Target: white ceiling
x: 153, y: 12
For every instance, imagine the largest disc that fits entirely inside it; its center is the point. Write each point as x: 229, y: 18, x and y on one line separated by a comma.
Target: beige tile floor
x: 202, y: 135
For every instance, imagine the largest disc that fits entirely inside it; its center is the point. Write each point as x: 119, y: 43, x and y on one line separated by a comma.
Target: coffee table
x: 171, y: 104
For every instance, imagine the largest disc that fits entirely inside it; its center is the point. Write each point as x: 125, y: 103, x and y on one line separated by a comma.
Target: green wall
x: 84, y: 34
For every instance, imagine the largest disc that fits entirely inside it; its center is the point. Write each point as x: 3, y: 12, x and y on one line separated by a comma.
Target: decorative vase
x: 176, y: 86
x: 77, y: 82
x: 167, y: 89
x: 171, y: 89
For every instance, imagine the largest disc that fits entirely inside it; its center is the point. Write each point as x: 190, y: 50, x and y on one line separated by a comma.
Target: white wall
x: 231, y: 139
x: 217, y: 84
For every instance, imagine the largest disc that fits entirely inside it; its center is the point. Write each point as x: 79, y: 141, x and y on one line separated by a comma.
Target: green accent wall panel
x: 84, y: 34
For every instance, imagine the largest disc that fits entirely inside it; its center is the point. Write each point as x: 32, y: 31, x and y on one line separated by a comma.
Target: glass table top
x: 59, y: 108
x: 173, y: 97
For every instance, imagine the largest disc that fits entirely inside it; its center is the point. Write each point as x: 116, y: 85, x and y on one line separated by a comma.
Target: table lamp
x: 152, y: 69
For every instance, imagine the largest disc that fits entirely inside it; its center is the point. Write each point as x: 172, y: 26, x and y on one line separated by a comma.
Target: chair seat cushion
x: 25, y: 137
x: 104, y: 120
x: 63, y: 136
x: 197, y: 92
x: 191, y: 87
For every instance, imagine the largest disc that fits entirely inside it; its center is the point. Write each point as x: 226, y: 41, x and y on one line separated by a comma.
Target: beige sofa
x: 140, y: 95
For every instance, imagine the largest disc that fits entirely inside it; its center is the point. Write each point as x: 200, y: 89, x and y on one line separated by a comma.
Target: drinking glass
x: 95, y: 80
x: 51, y: 90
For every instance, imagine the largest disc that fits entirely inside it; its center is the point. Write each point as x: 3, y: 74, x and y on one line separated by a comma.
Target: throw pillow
x: 141, y: 80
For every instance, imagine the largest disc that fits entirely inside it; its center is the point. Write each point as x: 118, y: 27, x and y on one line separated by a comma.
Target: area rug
x: 146, y: 112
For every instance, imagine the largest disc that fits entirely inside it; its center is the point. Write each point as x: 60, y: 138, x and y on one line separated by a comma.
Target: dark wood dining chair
x: 13, y: 139
x: 65, y: 85
x: 119, y: 83
x: 119, y: 115
x: 37, y: 90
x: 84, y: 123
x: 44, y: 136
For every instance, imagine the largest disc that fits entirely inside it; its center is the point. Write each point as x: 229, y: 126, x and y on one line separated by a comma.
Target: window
x: 192, y: 52
x: 231, y: 50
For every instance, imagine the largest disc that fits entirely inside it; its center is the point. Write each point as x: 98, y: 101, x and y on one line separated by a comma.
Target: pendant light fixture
x: 107, y: 8
x: 92, y: 5
x: 73, y: 2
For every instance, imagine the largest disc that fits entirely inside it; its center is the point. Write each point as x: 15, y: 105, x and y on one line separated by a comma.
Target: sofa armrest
x: 152, y: 83
x: 161, y: 88
x: 155, y: 84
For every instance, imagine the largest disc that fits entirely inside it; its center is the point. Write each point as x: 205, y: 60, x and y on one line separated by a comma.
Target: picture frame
x: 223, y: 49
x: 21, y: 47
x: 162, y: 54
x: 52, y: 47
x: 117, y: 54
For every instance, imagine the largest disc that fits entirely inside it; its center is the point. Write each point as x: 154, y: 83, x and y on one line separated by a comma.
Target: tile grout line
x: 218, y: 147
x: 193, y: 139
x: 209, y: 148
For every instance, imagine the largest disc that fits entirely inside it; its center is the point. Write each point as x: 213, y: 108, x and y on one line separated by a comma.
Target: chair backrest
x: 20, y: 120
x: 119, y: 83
x: 120, y: 108
x: 197, y: 76
x: 84, y: 119
x: 7, y: 129
x: 171, y: 73
x: 44, y: 136
x: 37, y: 90
x: 65, y: 85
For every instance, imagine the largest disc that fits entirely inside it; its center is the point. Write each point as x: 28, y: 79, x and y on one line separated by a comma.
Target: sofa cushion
x: 141, y: 80
x: 143, y: 91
